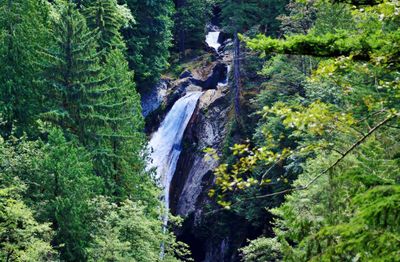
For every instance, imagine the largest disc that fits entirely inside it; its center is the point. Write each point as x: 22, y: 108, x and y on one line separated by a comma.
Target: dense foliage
x: 191, y: 18
x: 72, y: 167
x: 329, y: 118
x: 315, y: 98
x: 149, y: 38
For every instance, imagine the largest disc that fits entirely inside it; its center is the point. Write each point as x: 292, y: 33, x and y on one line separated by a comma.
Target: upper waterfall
x: 166, y: 142
x: 212, y: 40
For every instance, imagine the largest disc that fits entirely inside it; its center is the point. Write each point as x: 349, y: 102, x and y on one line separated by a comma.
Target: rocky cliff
x: 208, y: 128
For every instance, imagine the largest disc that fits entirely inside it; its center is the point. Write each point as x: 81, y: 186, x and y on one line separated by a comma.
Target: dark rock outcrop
x: 194, y: 178
x: 185, y: 74
x: 175, y: 90
x: 152, y: 100
x: 223, y: 37
x: 218, y: 74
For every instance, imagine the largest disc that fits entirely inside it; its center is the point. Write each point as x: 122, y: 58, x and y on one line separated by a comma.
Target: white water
x: 226, y: 81
x: 166, y: 142
x: 212, y: 40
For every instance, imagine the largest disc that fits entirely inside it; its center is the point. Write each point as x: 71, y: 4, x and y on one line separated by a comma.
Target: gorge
x: 196, y: 121
x: 199, y: 130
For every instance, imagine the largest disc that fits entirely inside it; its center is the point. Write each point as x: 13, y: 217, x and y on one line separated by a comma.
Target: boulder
x: 218, y: 74
x: 153, y: 99
x: 223, y: 37
x: 185, y: 74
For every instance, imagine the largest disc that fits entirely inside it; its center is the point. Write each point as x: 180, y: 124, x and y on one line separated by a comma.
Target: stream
x: 166, y: 143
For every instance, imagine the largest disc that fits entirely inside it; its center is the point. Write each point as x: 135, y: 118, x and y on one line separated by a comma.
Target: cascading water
x: 212, y: 40
x: 226, y: 81
x: 166, y: 142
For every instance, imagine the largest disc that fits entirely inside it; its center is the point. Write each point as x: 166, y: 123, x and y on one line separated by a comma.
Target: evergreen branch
x: 396, y: 127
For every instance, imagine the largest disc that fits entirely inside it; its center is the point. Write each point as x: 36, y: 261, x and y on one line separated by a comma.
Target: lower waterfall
x: 166, y: 142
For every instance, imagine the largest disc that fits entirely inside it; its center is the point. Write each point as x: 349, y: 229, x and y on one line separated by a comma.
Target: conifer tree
x: 61, y: 193
x: 118, y: 129
x: 105, y: 17
x: 190, y: 18
x: 22, y: 31
x: 236, y: 16
x: 239, y: 16
x: 149, y: 39
x: 119, y: 138
x: 72, y: 71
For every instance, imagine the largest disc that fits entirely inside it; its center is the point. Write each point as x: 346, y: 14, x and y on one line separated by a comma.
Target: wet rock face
x: 159, y: 101
x: 208, y: 128
x: 185, y: 74
x: 223, y: 37
x: 218, y: 74
x: 153, y: 100
x: 194, y: 175
x: 161, y: 98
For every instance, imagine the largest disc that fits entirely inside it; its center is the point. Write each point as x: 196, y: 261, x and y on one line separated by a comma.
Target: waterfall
x: 212, y: 40
x: 166, y: 142
x: 226, y: 81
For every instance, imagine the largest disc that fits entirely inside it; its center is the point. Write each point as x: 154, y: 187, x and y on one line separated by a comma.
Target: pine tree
x: 22, y: 31
x: 149, y: 39
x: 105, y: 17
x: 72, y: 71
x: 119, y: 138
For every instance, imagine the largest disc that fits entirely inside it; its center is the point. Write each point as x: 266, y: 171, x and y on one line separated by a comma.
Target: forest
x: 199, y: 130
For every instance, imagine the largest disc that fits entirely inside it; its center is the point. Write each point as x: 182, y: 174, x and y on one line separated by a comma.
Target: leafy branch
x: 332, y: 166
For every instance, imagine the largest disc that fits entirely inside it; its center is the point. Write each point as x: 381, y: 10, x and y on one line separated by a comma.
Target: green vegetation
x: 191, y: 19
x: 310, y: 166
x: 327, y: 137
x: 148, y: 39
x: 72, y: 165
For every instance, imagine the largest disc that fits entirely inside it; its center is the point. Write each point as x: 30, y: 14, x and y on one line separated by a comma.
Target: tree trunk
x: 182, y: 38
x: 236, y: 83
x: 181, y: 30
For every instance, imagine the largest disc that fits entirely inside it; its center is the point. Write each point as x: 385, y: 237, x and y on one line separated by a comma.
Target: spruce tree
x: 104, y: 16
x: 149, y: 39
x: 118, y: 126
x: 119, y: 138
x: 22, y: 31
x: 72, y: 72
